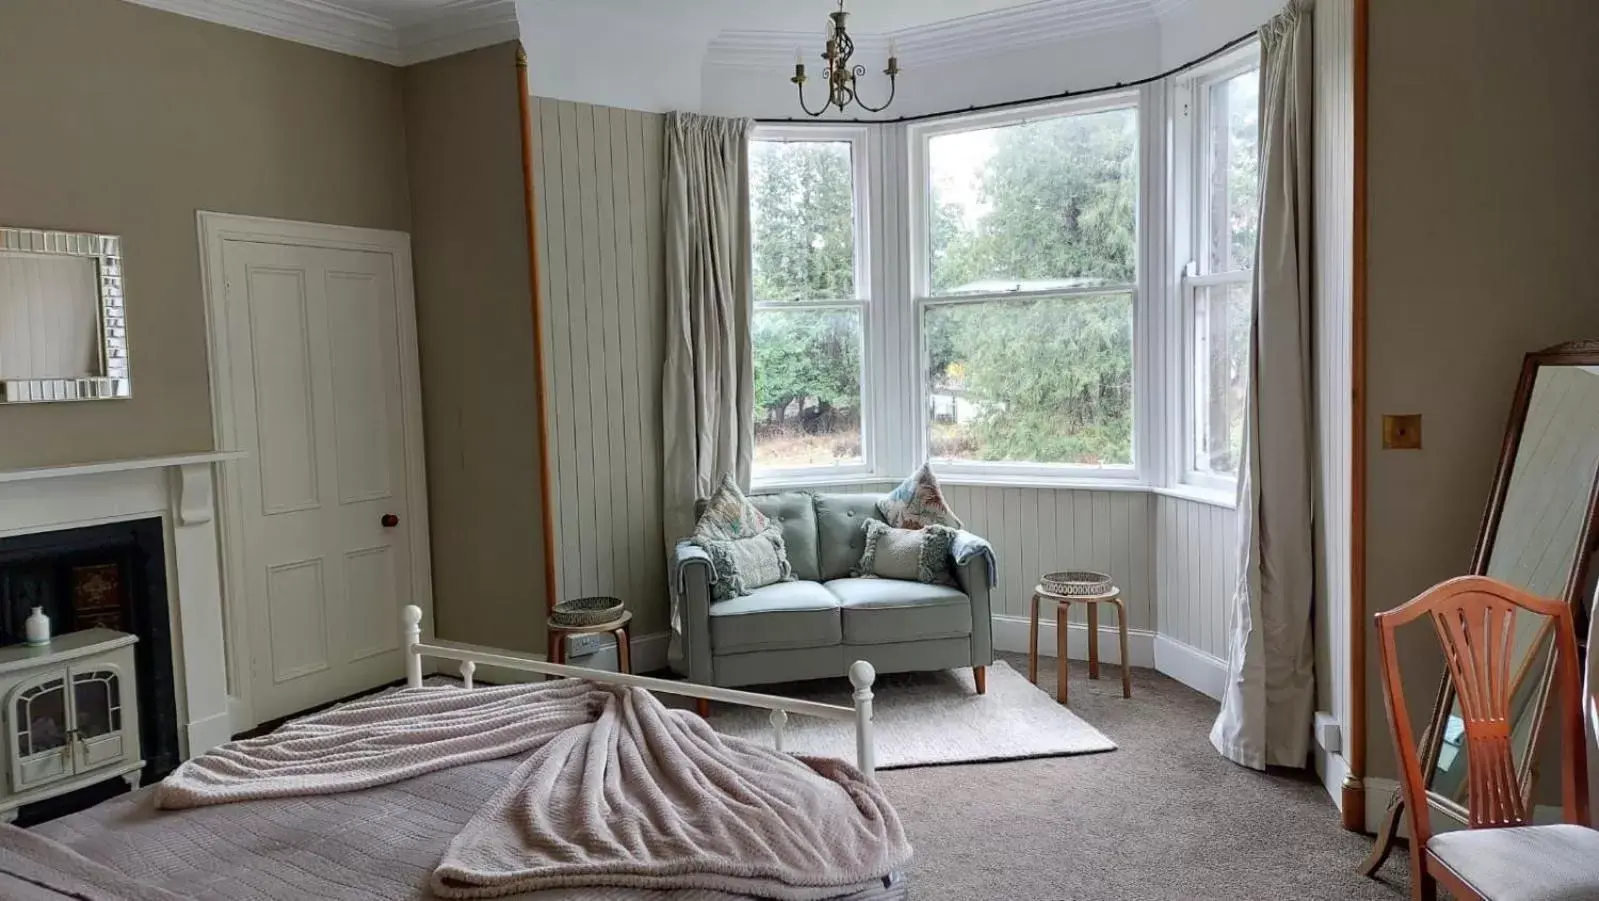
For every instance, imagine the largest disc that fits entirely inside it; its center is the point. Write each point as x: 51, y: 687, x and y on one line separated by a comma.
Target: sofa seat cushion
x: 1525, y: 863
x: 777, y: 617
x: 884, y: 611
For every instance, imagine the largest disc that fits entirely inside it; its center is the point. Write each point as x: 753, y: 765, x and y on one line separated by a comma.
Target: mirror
x: 1537, y: 535
x: 1542, y: 521
x: 63, y: 326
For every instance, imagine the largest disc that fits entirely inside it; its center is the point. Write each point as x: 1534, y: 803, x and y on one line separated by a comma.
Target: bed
x: 381, y: 842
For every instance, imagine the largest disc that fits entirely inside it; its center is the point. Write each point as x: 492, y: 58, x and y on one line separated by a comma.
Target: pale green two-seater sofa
x: 816, y: 626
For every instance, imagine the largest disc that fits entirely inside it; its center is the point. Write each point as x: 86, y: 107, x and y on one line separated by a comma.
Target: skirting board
x: 1010, y: 634
x: 1189, y: 665
x: 649, y: 655
x: 1332, y: 768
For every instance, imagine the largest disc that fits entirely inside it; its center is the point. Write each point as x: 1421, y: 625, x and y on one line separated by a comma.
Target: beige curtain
x: 1269, y: 699
x: 708, y: 382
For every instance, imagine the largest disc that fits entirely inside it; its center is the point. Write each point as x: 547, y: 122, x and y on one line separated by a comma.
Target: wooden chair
x: 1501, y: 856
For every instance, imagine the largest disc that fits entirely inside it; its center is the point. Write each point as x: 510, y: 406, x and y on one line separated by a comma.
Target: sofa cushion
x: 841, y: 532
x: 794, y: 512
x: 882, y: 611
x: 785, y: 615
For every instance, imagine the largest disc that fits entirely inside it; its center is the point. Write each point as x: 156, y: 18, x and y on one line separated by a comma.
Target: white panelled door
x: 314, y: 357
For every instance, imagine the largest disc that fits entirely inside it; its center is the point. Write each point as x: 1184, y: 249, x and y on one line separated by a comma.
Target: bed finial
x: 413, y: 637
x: 862, y: 675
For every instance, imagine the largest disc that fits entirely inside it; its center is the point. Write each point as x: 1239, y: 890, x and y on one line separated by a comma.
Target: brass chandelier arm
x: 893, y: 86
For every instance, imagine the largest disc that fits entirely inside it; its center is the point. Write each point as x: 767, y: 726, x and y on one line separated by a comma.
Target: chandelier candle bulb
x: 841, y: 74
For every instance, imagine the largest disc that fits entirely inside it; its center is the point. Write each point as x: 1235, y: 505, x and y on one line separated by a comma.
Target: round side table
x: 1063, y: 604
x: 617, y: 627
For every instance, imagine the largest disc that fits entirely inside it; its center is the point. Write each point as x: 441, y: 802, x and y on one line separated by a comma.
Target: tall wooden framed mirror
x: 1538, y: 534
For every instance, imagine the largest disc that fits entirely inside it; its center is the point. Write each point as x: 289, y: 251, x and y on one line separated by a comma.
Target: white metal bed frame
x: 861, y: 676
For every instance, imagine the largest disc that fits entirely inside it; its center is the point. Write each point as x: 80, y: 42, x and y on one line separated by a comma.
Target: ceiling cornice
x: 1041, y: 22
x: 459, y: 26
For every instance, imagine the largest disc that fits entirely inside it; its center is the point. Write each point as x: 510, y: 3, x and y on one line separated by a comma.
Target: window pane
x: 1221, y: 337
x: 1234, y: 172
x: 802, y: 212
x: 1037, y: 206
x: 807, y: 388
x: 1037, y: 381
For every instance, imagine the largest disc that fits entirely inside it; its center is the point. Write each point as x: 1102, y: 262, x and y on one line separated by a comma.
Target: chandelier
x: 841, y: 78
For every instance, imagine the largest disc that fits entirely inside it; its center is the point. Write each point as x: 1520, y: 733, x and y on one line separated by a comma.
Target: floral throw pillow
x: 729, y: 515
x: 918, y: 502
x: 921, y: 555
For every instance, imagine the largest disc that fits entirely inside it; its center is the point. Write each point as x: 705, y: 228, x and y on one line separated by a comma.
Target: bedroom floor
x: 1164, y: 817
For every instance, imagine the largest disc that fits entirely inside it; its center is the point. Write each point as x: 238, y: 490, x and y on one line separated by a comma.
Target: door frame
x: 215, y: 230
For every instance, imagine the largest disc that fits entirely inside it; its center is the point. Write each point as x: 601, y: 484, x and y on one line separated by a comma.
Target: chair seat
x: 777, y: 617
x: 886, y: 611
x: 1525, y: 863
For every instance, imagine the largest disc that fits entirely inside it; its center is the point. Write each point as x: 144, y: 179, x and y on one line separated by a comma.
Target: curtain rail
x: 1029, y: 101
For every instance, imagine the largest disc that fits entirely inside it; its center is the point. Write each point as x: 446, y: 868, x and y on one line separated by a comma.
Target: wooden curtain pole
x: 541, y: 411
x: 1354, y: 788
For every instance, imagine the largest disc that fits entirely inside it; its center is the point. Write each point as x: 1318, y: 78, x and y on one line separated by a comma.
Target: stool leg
x: 1093, y: 641
x: 624, y: 651
x: 550, y: 652
x: 1032, y: 644
x: 1060, y: 651
x: 703, y: 708
x: 1127, y: 667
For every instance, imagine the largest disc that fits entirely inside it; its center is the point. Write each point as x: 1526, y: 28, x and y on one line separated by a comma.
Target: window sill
x: 805, y: 483
x: 1211, y: 496
x: 1043, y: 482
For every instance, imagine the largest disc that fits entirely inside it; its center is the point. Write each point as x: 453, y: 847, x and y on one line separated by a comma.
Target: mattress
x: 380, y: 844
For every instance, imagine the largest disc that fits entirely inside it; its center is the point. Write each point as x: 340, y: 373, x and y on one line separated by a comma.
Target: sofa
x: 816, y: 626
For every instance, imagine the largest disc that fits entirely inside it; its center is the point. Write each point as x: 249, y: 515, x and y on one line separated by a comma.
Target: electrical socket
x: 584, y: 645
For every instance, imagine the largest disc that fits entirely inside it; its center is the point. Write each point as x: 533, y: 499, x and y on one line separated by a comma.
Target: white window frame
x: 859, y: 138
x: 1193, y: 222
x: 922, y: 298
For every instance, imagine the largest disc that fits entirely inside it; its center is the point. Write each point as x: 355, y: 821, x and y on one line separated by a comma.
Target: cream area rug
x: 925, y: 719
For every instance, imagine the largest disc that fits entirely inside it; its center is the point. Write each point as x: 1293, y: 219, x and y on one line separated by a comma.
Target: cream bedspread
x: 616, y: 790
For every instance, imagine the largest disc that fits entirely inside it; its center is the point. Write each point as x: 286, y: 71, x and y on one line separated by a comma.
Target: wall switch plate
x: 1401, y: 432
x: 584, y: 645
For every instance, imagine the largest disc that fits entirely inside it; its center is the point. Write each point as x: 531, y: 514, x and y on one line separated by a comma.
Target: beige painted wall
x: 123, y: 119
x: 474, y: 320
x: 1484, y: 206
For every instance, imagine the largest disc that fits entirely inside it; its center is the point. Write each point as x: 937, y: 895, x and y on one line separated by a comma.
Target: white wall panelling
x: 1334, y: 192
x: 599, y: 207
x: 1196, y: 568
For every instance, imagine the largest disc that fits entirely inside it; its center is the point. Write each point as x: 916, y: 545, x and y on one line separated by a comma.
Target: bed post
x: 861, y: 675
x: 413, y: 637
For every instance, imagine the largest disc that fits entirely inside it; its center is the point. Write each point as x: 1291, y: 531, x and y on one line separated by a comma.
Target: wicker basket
x: 1076, y: 583
x: 587, y: 611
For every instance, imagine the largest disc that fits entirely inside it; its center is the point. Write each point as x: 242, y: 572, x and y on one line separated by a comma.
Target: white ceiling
x: 401, y: 32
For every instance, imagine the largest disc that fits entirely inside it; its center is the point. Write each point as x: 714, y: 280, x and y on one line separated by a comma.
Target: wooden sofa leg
x: 980, y: 676
x: 703, y: 708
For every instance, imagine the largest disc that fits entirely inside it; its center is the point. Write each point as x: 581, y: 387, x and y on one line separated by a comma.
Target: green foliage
x: 803, y: 211
x: 812, y: 356
x: 1045, y: 381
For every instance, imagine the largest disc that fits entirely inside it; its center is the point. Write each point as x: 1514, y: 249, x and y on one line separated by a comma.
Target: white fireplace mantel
x: 180, y: 490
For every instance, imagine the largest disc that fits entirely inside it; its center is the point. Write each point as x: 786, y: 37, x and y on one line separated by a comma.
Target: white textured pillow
x: 915, y: 555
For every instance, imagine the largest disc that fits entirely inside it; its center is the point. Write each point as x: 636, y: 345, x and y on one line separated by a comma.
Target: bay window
x: 1217, y: 298
x: 809, y: 271
x: 1025, y: 286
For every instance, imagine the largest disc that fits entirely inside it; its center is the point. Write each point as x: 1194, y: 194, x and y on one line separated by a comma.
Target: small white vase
x: 37, y: 628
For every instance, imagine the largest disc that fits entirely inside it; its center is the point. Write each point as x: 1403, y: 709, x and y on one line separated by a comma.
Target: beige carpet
x: 1162, y: 819
x: 922, y: 719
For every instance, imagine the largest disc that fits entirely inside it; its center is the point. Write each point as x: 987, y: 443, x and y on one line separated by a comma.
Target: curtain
x: 708, y: 381
x: 1269, y: 699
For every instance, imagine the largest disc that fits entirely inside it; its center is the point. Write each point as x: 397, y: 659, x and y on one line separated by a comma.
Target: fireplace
x: 112, y: 576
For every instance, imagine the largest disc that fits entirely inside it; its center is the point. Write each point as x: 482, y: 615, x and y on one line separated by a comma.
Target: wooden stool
x: 1063, y: 604
x: 618, y: 627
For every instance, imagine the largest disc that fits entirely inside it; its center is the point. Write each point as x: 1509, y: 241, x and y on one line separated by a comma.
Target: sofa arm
x: 692, y: 575
x: 977, y: 573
